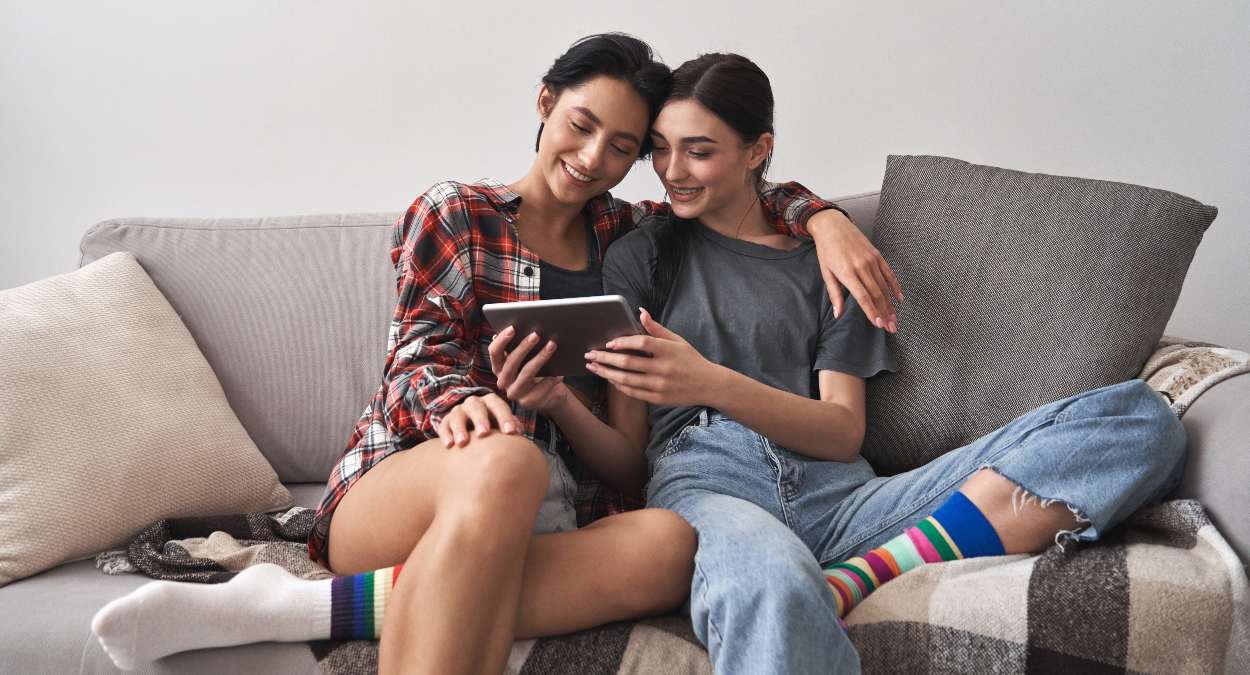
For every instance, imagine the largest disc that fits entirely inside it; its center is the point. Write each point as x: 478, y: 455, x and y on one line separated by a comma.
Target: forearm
x: 607, y: 451
x: 415, y: 405
x: 819, y: 429
x: 828, y: 218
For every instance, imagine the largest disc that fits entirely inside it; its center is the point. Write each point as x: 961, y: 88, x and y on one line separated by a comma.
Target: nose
x: 676, y: 170
x: 591, y: 155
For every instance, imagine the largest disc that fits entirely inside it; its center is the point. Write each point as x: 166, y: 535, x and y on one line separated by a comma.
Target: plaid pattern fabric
x: 454, y: 250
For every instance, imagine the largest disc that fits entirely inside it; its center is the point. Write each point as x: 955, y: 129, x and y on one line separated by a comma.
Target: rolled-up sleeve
x: 432, y: 342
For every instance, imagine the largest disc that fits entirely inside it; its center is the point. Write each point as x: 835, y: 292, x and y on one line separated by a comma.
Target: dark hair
x: 616, y: 55
x: 734, y: 89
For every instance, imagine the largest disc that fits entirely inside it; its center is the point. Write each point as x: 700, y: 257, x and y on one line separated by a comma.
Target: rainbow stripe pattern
x: 358, y: 603
x: 956, y: 530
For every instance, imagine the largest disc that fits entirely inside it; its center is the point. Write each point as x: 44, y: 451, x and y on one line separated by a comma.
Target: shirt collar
x: 601, y: 210
x: 499, y: 195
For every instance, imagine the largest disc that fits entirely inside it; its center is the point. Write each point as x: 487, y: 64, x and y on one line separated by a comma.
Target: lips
x: 679, y: 194
x: 575, y: 174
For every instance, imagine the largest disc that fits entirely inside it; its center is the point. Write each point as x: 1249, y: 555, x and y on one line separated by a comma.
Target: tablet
x: 577, y: 325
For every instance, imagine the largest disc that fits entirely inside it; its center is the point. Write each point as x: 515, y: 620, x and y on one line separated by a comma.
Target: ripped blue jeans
x: 769, y: 519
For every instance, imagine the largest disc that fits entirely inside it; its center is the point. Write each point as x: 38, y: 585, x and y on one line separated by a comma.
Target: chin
x: 567, y: 193
x: 686, y: 211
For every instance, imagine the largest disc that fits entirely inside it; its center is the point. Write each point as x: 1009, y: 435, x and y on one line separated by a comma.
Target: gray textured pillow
x: 1022, y: 289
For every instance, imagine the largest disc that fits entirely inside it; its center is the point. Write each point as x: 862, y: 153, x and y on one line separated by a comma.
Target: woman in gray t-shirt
x: 750, y: 410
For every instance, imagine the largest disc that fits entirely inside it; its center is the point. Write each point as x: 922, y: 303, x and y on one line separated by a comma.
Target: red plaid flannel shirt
x: 454, y: 250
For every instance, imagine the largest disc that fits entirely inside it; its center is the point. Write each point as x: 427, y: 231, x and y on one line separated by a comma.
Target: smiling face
x: 591, y: 137
x: 704, y: 164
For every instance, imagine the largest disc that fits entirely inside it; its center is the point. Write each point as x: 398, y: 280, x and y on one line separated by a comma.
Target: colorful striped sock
x: 358, y: 603
x: 956, y: 530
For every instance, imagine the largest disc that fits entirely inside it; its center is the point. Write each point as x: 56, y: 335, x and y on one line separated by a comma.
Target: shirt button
x: 528, y: 271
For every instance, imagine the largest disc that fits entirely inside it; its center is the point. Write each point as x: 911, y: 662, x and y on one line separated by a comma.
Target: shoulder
x: 638, y: 245
x: 438, y: 223
x: 448, y: 208
x: 453, y: 200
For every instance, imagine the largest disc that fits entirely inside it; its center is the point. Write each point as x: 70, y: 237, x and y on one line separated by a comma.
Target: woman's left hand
x: 675, y: 374
x: 848, y: 259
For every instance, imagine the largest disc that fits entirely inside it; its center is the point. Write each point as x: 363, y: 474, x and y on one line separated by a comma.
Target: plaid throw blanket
x: 1162, y: 593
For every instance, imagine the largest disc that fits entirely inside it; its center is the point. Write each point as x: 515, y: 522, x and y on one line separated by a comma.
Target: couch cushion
x: 290, y: 312
x: 54, y: 633
x: 109, y: 419
x: 1022, y: 289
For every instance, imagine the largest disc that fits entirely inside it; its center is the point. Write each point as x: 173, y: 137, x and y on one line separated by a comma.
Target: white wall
x: 251, y: 108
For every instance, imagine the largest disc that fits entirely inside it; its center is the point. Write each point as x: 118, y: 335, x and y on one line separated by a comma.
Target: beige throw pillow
x: 110, y: 419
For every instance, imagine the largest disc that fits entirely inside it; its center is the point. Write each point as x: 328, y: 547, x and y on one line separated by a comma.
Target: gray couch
x: 292, y: 315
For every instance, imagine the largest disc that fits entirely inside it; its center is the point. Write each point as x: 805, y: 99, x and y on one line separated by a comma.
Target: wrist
x: 827, y: 219
x: 561, y: 400
x: 719, y: 385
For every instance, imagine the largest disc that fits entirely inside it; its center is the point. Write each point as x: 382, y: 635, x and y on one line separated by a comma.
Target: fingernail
x: 836, y: 313
x: 893, y: 326
x: 509, y: 428
x: 459, y: 439
x: 551, y: 346
x: 532, y: 337
x: 590, y: 356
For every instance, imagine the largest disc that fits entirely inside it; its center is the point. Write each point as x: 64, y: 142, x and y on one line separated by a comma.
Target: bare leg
x: 624, y: 566
x: 1023, y: 525
x: 462, y: 580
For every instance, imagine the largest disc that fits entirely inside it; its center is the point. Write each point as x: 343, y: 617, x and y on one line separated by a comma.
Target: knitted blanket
x: 1162, y: 593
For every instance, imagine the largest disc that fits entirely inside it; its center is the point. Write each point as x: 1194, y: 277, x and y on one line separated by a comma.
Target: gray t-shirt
x: 761, y: 311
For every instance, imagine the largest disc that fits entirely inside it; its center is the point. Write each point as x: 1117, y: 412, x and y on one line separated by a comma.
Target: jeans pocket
x: 677, y: 442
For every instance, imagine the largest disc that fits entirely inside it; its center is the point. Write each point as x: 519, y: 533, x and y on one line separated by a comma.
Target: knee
x: 657, y: 579
x: 773, y: 582
x: 495, y: 476
x: 1163, y: 433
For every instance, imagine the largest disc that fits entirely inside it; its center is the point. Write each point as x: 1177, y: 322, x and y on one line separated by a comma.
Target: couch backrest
x: 292, y: 314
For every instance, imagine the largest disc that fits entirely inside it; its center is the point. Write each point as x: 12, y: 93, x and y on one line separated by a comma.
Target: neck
x: 743, y: 216
x: 540, y: 210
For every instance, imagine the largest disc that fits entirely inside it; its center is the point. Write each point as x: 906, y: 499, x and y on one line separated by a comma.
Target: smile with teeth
x: 681, y: 194
x: 576, y: 175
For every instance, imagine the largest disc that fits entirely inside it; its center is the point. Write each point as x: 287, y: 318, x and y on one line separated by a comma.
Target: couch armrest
x: 1218, y: 466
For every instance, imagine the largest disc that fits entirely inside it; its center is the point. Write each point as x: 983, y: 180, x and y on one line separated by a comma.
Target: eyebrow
x: 594, y: 118
x: 689, y: 140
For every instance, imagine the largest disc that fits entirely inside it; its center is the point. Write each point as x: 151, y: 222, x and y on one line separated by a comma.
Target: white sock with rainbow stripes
x: 263, y: 603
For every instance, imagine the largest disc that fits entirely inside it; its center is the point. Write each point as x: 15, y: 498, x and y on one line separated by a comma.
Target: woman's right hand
x: 482, y: 412
x: 518, y: 379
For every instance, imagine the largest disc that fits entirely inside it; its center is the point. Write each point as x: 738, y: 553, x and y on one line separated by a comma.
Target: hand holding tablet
x: 576, y: 325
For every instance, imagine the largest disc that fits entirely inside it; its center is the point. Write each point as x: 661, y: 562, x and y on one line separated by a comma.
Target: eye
x: 580, y: 128
x: 621, y: 151
x: 700, y: 155
x: 658, y: 150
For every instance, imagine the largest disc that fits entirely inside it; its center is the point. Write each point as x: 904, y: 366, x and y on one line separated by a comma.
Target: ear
x: 546, y: 103
x: 759, y: 151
